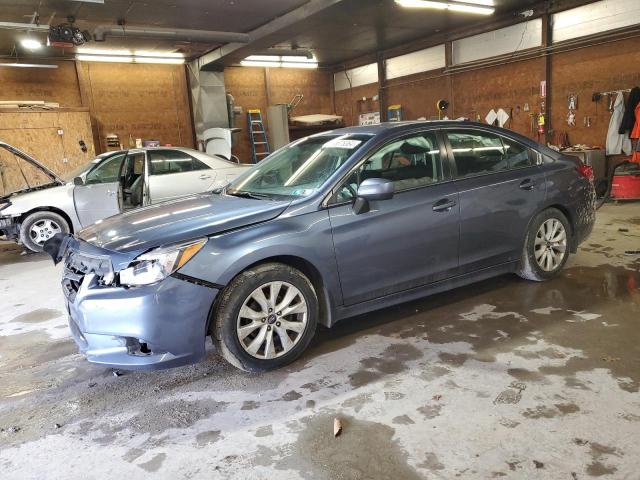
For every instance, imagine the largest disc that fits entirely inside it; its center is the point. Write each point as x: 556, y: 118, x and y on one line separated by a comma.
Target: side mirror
x: 376, y: 189
x: 78, y: 181
x: 372, y: 189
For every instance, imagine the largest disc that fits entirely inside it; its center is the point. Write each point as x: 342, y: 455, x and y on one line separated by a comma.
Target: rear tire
x: 265, y: 318
x: 546, y: 246
x: 39, y: 227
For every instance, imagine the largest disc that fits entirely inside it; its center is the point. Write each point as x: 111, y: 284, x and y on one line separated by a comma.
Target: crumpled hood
x: 169, y: 222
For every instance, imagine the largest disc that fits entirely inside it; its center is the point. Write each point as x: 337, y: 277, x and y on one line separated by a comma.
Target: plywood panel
x: 595, y: 69
x: 52, y: 85
x: 506, y: 86
x: 249, y: 86
x: 350, y: 103
x: 418, y: 97
x: 50, y: 137
x: 139, y: 101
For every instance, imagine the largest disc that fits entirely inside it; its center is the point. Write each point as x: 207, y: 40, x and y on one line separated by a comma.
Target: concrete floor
x: 504, y: 378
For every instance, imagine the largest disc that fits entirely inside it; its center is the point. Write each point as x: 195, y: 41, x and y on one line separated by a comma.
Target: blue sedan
x: 328, y: 227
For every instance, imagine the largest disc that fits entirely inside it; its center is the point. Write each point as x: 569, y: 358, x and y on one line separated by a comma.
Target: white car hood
x: 25, y: 201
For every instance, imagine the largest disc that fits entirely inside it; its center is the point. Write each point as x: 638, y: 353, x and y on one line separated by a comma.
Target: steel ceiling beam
x: 262, y: 37
x: 101, y: 31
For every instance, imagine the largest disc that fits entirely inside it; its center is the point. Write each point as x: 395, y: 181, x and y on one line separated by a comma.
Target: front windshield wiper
x: 253, y: 195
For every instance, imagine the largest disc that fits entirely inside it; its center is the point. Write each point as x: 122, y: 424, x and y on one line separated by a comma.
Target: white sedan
x: 112, y: 183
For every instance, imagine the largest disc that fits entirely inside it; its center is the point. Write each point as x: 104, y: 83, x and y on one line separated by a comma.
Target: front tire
x: 265, y: 317
x: 546, y: 246
x: 39, y: 227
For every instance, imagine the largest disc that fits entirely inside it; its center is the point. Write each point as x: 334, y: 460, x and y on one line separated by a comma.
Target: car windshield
x: 299, y: 169
x: 84, y: 168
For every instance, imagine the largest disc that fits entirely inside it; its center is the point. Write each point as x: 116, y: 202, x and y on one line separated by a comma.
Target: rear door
x: 99, y: 197
x: 500, y: 187
x: 407, y: 241
x: 174, y: 173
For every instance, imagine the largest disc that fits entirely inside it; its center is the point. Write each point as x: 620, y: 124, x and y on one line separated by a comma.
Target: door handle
x: 443, y: 205
x: 527, y: 184
x: 204, y: 177
x: 111, y: 193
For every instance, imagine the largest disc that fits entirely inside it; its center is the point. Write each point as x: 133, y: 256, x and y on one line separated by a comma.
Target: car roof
x: 410, y: 125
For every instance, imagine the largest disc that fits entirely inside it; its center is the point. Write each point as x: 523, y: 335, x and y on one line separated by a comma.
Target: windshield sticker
x: 342, y: 143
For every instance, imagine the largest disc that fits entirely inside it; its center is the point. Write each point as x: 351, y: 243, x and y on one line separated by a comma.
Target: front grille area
x: 77, y: 266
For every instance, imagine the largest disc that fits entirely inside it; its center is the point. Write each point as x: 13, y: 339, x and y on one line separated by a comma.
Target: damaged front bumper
x: 133, y: 328
x: 9, y: 228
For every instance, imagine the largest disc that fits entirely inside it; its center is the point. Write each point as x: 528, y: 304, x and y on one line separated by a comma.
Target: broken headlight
x: 158, y: 264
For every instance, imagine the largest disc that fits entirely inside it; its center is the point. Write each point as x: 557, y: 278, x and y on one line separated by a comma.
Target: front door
x: 500, y: 187
x: 174, y: 173
x: 98, y: 198
x: 405, y: 242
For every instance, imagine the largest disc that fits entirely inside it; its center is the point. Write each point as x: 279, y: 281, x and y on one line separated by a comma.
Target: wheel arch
x: 565, y: 211
x: 59, y: 211
x: 326, y: 306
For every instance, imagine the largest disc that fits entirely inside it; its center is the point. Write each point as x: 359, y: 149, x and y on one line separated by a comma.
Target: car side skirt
x: 344, y: 312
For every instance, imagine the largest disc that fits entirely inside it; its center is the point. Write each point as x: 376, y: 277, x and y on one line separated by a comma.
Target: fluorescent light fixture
x: 103, y: 51
x: 28, y: 65
x: 167, y: 61
x: 127, y: 56
x: 479, y: 7
x: 144, y: 53
x: 31, y: 44
x: 104, y: 58
x: 279, y: 61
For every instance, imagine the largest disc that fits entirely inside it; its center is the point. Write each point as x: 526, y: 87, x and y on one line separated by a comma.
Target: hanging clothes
x: 635, y: 134
x: 628, y: 119
x: 617, y: 142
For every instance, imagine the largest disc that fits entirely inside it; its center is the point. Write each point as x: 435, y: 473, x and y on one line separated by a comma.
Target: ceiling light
x: 480, y: 7
x: 127, y: 56
x: 28, y: 65
x: 170, y: 61
x: 279, y: 61
x: 128, y: 59
x: 31, y: 44
x: 102, y: 51
x: 104, y: 58
x: 144, y: 53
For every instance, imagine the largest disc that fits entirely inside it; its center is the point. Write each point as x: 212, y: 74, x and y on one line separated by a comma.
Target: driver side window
x: 106, y: 172
x: 410, y: 162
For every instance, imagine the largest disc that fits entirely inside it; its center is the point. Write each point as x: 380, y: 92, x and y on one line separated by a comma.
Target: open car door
x: 99, y: 196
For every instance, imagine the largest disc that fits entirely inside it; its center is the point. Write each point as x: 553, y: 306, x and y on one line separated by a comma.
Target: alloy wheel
x: 43, y: 230
x: 272, y: 320
x: 550, y: 245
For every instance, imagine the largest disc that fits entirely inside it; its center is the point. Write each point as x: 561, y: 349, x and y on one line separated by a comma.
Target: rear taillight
x: 586, y: 171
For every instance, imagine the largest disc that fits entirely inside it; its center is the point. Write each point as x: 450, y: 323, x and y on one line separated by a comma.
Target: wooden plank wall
x: 254, y: 87
x: 51, y: 137
x: 583, y: 71
x: 352, y: 102
x: 58, y: 85
x: 599, y: 68
x: 141, y: 100
x: 145, y: 101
